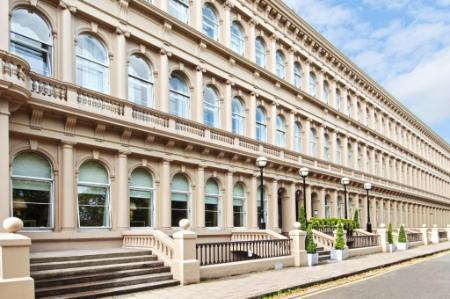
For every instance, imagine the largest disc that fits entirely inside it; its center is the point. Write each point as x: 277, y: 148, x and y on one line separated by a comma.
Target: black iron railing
x: 442, y: 235
x: 234, y: 251
x: 330, y: 229
x: 361, y: 241
x: 414, y: 237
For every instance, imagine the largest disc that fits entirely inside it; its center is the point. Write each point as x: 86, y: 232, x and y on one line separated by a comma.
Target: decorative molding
x: 36, y: 118
x: 70, y: 126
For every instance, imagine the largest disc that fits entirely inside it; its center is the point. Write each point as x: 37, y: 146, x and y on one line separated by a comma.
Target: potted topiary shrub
x: 402, y: 243
x: 340, y: 250
x: 356, y: 219
x: 302, y: 218
x: 313, y: 256
x: 390, y: 239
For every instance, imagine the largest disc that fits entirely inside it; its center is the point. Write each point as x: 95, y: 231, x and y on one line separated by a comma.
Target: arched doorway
x: 282, y: 203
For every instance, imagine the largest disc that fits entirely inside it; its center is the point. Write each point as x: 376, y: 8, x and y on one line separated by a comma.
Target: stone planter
x: 313, y: 259
x: 402, y: 246
x: 391, y: 248
x: 339, y: 255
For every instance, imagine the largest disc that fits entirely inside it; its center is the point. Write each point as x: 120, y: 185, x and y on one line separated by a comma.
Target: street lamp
x: 367, y: 187
x: 261, y: 162
x: 303, y: 172
x: 345, y: 182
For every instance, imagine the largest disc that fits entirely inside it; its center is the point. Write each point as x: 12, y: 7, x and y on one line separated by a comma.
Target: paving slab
x: 260, y: 283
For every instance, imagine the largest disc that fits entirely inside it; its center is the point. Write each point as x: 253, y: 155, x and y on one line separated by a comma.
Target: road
x: 428, y: 279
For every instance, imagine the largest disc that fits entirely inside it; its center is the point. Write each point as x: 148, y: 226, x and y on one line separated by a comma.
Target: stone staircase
x: 324, y: 256
x: 97, y: 273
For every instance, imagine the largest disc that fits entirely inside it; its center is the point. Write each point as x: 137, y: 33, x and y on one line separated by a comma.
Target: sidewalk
x: 255, y: 284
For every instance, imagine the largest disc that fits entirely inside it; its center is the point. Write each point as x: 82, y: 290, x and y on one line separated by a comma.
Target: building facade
x: 119, y: 114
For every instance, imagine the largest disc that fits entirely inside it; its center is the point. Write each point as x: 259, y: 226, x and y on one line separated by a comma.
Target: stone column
x: 298, y: 246
x: 123, y: 201
x: 165, y: 196
x: 119, y: 75
x: 382, y: 216
x: 435, y: 234
x: 227, y: 24
x: 424, y: 231
x: 321, y: 195
x: 227, y: 107
x: 355, y: 155
x: 345, y: 161
x: 308, y: 202
x: 252, y: 206
x: 290, y: 66
x: 197, y: 15
x: 271, y: 132
x: 251, y: 40
x: 68, y: 202
x: 291, y: 210
x: 334, y: 204
x: 307, y: 68
x: 321, y: 139
x: 373, y: 212
x: 372, y: 162
x: 388, y: 211
x: 185, y: 266
x: 197, y: 101
x: 272, y: 206
x: 251, y: 116
x: 164, y: 81
x: 306, y: 136
x: 290, y: 131
x: 381, y: 232
x: 333, y: 147
x: 273, y: 49
x: 5, y: 207
x: 228, y: 204
x: 4, y: 26
x: 364, y: 213
x: 320, y: 78
x: 198, y: 208
x: 66, y: 44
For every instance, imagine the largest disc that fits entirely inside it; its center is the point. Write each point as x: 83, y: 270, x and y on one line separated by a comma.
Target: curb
x: 325, y: 280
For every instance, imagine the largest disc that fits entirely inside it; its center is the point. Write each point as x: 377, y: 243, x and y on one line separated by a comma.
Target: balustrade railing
x: 161, y: 244
x: 234, y: 251
x: 414, y: 237
x: 361, y: 241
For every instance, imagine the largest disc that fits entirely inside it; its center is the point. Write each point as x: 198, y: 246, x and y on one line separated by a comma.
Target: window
x: 260, y: 49
x: 367, y: 161
x: 180, y: 196
x: 312, y: 84
x: 140, y: 81
x: 179, y: 9
x: 261, y: 127
x: 32, y: 190
x: 337, y: 103
x: 338, y: 151
x: 312, y: 142
x: 238, y: 205
x: 297, y: 137
x: 92, y: 64
x: 179, y: 96
x: 258, y: 203
x: 237, y: 39
x: 348, y: 106
x: 326, y: 92
x: 349, y: 155
x: 281, y: 132
x: 141, y: 198
x: 210, y: 22
x: 280, y: 67
x: 327, y: 207
x: 31, y: 39
x: 212, y: 210
x: 367, y: 117
x: 358, y: 112
x: 93, y: 196
x: 297, y: 75
x: 326, y: 147
x: 359, y: 159
x: 238, y: 116
x: 210, y: 107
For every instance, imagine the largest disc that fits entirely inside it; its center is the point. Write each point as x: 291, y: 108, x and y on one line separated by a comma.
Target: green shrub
x: 390, y: 239
x: 302, y: 217
x: 339, y: 243
x: 356, y: 219
x: 310, y: 245
x: 402, y: 235
x: 348, y: 224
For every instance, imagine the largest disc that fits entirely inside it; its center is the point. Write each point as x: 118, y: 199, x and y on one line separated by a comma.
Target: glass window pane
x: 141, y: 178
x: 179, y: 211
x: 210, y: 23
x: 180, y: 183
x: 93, y: 172
x: 94, y: 196
x: 32, y: 204
x: 141, y: 208
x: 31, y: 165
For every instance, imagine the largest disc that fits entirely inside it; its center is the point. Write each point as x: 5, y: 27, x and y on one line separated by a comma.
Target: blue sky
x: 403, y: 44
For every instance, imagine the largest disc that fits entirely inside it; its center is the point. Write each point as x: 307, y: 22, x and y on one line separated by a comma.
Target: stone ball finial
x: 424, y: 225
x: 382, y: 225
x: 12, y: 224
x: 448, y: 225
x: 434, y: 225
x: 297, y: 225
x: 184, y: 223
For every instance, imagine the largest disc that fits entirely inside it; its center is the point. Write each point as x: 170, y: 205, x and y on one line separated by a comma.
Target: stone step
x: 53, y: 273
x: 321, y: 253
x: 319, y: 249
x: 102, y: 284
x: 91, y: 262
x: 65, y: 280
x: 57, y: 257
x: 117, y: 290
x: 324, y: 257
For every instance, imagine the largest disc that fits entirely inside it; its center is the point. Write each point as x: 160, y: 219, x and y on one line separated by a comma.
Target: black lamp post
x: 304, y: 172
x: 367, y: 187
x: 261, y: 162
x: 345, y: 182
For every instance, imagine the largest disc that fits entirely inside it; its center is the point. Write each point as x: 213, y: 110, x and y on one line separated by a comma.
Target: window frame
x: 180, y: 96
x: 236, y: 40
x: 213, y: 108
x: 150, y: 82
x: 214, y: 25
x: 176, y: 13
x: 261, y: 125
x: 152, y: 190
x: 239, y: 118
x: 188, y: 196
x: 260, y: 40
x: 243, y: 214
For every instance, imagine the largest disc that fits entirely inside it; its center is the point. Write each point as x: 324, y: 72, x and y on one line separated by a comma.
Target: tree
x: 302, y: 217
x: 339, y: 243
x: 310, y: 245
x: 356, y: 219
x: 402, y: 235
x: 390, y: 238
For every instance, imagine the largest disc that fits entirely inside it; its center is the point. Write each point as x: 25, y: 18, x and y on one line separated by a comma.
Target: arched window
x: 212, y: 209
x: 298, y: 136
x: 349, y: 155
x: 326, y: 92
x: 327, y: 207
x: 337, y: 103
x: 140, y: 81
x: 280, y: 67
x: 179, y: 9
x: 180, y: 197
x: 348, y: 106
x: 281, y: 132
x: 180, y: 102
x: 93, y: 195
x: 31, y: 39
x: 237, y: 116
x: 210, y: 107
x: 326, y: 147
x: 238, y: 205
x: 237, y: 38
x: 210, y: 22
x: 312, y: 84
x: 297, y: 75
x: 261, y: 126
x: 141, y: 198
x: 258, y: 203
x: 92, y: 64
x: 312, y: 142
x: 359, y: 159
x: 32, y: 190
x: 260, y: 52
x: 338, y: 151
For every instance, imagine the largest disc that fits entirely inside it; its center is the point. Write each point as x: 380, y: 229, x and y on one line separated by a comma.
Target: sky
x: 403, y: 44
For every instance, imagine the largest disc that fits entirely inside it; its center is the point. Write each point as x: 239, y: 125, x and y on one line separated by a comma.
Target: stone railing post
x: 448, y: 232
x: 15, y: 280
x: 298, y: 245
x: 381, y: 232
x: 424, y: 231
x: 435, y: 234
x: 185, y: 266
